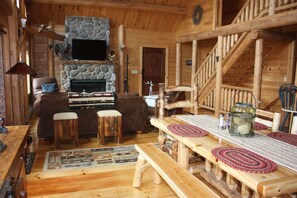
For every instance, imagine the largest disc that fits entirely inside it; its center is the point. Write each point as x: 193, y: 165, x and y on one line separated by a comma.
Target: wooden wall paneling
x: 186, y: 70
x: 291, y: 67
x: 5, y: 11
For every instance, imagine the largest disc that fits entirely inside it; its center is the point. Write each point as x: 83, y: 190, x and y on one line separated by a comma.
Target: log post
x: 50, y: 54
x: 121, y: 58
x: 194, y: 65
x: 258, y: 71
x: 178, y: 64
x: 219, y: 77
x: 157, y: 179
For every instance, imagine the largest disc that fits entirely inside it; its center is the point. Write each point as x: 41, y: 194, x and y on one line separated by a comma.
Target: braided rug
x: 285, y: 137
x: 259, y: 126
x: 187, y: 130
x: 244, y: 160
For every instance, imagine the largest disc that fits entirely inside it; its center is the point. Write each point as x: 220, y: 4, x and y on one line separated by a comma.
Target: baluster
x: 229, y: 99
x: 222, y: 98
x: 286, y: 2
x: 279, y: 3
x: 252, y: 10
x: 235, y: 37
x: 228, y: 44
x: 266, y: 4
x: 256, y: 13
x: 232, y: 40
x: 262, y: 3
x: 246, y: 18
x: 224, y: 46
x: 242, y: 17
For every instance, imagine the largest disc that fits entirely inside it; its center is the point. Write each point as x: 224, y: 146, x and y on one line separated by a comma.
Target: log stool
x: 109, y: 124
x: 65, y: 128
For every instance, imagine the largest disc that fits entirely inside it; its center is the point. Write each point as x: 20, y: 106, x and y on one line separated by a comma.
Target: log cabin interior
x: 221, y: 51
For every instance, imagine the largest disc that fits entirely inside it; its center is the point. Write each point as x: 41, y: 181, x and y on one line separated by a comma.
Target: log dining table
x: 229, y: 180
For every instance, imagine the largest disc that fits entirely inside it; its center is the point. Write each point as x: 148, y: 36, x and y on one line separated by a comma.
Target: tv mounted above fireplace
x: 88, y: 49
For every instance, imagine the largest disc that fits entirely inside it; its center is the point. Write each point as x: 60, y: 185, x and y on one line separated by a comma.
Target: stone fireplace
x: 86, y: 28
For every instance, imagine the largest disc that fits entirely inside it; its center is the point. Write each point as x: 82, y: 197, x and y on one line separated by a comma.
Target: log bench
x: 182, y: 182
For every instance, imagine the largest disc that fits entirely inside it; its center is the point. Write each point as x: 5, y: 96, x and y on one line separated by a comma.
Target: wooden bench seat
x: 182, y: 182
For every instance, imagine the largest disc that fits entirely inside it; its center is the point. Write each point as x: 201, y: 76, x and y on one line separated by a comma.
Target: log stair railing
x: 237, y: 42
x: 230, y: 96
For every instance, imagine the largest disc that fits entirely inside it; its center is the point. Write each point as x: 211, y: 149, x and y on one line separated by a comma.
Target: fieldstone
x: 107, y: 76
x: 104, y: 68
x: 73, y: 73
x: 101, y: 75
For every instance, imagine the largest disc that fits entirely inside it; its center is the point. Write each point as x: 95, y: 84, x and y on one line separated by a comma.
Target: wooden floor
x: 93, y: 182
x: 99, y: 182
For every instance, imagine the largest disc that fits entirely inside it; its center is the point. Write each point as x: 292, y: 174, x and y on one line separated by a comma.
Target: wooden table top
x: 279, y: 182
x: 14, y: 139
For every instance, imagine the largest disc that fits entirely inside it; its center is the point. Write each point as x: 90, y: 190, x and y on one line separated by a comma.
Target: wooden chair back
x: 287, y: 95
x: 178, y: 104
x: 270, y: 119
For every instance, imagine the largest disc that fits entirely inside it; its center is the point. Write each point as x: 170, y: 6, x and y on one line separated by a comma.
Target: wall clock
x: 197, y: 14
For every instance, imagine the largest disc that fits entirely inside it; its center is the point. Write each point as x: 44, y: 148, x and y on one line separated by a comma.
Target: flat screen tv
x: 88, y: 49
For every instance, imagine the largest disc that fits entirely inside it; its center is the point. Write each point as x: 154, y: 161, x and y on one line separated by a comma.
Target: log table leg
x: 162, y: 139
x: 138, y: 171
x: 183, y: 155
x: 156, y: 178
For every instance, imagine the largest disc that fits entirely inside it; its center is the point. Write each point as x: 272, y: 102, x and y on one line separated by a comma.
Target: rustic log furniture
x: 109, y: 124
x: 228, y: 180
x: 65, y: 128
x: 182, y: 182
x: 12, y: 165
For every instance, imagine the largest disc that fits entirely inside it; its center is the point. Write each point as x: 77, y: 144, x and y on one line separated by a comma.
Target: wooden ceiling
x: 158, y: 15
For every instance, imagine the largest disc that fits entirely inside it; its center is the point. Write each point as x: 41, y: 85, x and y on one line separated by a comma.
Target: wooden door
x: 153, y: 68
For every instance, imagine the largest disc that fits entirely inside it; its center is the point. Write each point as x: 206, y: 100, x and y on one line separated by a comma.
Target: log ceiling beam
x: 44, y: 33
x: 276, y: 36
x: 274, y: 21
x: 127, y: 4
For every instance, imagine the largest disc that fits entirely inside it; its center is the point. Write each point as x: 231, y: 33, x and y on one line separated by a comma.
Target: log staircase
x: 237, y: 58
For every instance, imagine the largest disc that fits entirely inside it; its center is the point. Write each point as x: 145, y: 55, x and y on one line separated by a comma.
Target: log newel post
x: 219, y: 77
x: 194, y: 65
x: 258, y: 71
x: 178, y: 64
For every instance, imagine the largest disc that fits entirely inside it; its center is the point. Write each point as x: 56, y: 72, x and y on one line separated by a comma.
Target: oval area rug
x: 187, y: 130
x: 244, y: 160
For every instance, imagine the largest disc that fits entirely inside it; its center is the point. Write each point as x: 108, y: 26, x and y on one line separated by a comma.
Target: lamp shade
x: 21, y: 68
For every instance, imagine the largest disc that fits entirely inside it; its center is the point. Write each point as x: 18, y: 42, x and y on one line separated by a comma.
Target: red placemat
x: 285, y: 137
x: 259, y: 126
x: 244, y: 160
x: 187, y: 130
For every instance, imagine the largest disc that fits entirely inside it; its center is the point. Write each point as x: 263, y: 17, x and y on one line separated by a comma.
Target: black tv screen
x: 88, y: 49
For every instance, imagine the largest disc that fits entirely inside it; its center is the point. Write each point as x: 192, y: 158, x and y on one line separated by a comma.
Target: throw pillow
x: 48, y: 88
